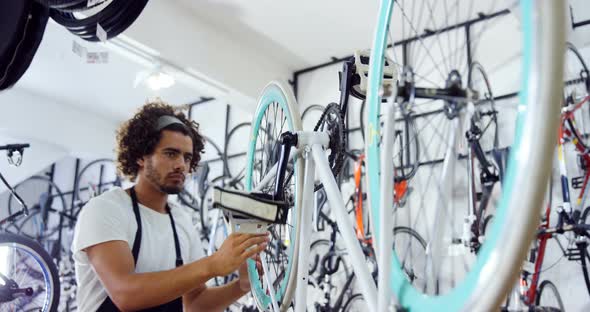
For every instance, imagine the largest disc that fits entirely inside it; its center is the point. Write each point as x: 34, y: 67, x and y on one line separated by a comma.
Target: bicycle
x: 573, y: 218
x: 283, y: 181
x: 29, y: 276
x: 333, y: 258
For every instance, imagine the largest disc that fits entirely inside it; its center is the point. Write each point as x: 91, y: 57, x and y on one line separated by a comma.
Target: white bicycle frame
x: 310, y: 149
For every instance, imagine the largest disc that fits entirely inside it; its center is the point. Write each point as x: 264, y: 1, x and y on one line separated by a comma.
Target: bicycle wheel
x: 334, y: 261
x: 212, y: 154
x: 466, y: 281
x: 406, y: 148
x: 485, y: 117
x: 584, y: 250
x: 410, y: 248
x: 276, y: 113
x: 193, y: 194
x: 236, y: 150
x: 30, y: 279
x: 576, y: 90
x: 311, y: 115
x: 43, y: 197
x: 355, y: 303
x: 95, y: 178
x: 548, y: 296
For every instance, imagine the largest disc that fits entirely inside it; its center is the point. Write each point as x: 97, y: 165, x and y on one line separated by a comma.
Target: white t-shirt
x: 110, y: 217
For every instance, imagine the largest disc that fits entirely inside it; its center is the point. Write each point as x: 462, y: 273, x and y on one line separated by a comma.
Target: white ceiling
x: 297, y: 33
x: 306, y: 32
x: 103, y: 89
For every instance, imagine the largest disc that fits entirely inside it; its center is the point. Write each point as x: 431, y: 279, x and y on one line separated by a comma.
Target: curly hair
x: 138, y: 136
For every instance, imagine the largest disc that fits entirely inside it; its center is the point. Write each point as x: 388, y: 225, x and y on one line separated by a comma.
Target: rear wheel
x: 276, y: 113
x: 27, y: 267
x: 467, y: 281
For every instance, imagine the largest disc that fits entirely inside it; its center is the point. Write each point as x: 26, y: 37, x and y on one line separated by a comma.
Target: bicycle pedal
x: 578, y: 182
x: 574, y: 254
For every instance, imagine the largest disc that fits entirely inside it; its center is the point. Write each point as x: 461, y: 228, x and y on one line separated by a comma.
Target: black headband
x: 167, y: 120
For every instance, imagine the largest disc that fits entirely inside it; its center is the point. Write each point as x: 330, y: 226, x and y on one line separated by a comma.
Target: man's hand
x: 244, y: 275
x: 235, y: 250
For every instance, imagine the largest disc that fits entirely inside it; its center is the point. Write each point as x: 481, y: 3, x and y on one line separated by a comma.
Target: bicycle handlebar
x: 14, y: 147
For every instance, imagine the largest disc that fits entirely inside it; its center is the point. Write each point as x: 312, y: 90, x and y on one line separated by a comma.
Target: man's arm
x: 219, y: 298
x: 113, y: 262
x: 213, y: 298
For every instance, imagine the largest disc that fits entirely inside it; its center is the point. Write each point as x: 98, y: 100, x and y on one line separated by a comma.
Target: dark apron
x: 176, y: 304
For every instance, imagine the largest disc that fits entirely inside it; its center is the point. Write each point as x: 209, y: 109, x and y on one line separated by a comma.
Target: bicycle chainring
x: 332, y: 122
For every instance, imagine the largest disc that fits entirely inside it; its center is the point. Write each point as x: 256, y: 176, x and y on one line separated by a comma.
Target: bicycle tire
x: 230, y: 135
x: 79, y: 184
x: 354, y: 298
x: 218, y: 151
x: 339, y: 273
x: 545, y: 286
x: 29, y: 224
x: 398, y: 230
x: 309, y: 110
x: 281, y: 98
x: 409, y: 126
x: 115, y: 18
x: 41, y: 223
x: 43, y: 260
x: 69, y: 5
x: 36, y: 183
x: 189, y: 200
x: 486, y: 283
x: 580, y: 126
x: 584, y: 252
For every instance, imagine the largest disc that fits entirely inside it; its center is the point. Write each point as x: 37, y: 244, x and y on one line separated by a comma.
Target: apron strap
x: 137, y: 240
x: 179, y: 261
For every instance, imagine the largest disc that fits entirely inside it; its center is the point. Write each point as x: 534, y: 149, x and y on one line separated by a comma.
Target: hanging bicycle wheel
x: 585, y: 250
x: 576, y: 92
x: 483, y: 142
x: 548, y: 296
x: 355, y: 303
x: 276, y: 113
x: 29, y: 279
x: 311, y: 115
x: 406, y: 148
x: 414, y: 37
x: 326, y: 262
x: 95, y: 178
x: 44, y: 199
x: 236, y: 148
x: 410, y: 248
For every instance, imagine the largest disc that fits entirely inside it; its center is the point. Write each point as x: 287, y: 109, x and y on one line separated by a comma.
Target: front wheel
x: 27, y: 267
x: 548, y: 296
x: 463, y: 280
x: 276, y: 113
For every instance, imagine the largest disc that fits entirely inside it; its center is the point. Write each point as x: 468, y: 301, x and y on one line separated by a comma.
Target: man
x: 134, y: 251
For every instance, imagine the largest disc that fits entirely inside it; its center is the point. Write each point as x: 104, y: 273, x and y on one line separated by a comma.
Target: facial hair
x: 156, y: 179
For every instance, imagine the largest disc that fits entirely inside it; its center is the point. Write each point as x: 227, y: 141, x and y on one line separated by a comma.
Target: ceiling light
x: 159, y: 80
